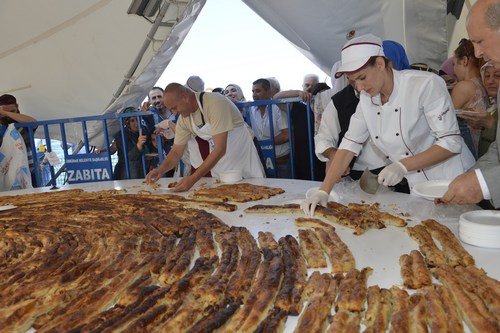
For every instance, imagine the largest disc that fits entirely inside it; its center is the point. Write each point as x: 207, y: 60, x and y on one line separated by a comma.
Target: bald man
x: 483, y: 180
x: 214, y: 120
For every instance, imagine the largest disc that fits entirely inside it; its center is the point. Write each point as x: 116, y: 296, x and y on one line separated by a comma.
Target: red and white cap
x: 357, y: 52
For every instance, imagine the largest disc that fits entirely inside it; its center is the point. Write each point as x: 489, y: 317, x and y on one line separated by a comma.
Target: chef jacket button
x: 397, y: 134
x: 418, y: 170
x: 378, y: 113
x: 396, y: 110
x: 376, y: 137
x: 387, y: 157
x: 407, y: 153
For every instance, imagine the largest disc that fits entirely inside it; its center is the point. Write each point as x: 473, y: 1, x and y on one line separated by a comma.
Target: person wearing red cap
x: 407, y: 114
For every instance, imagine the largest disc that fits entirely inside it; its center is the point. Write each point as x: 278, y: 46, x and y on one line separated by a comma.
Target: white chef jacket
x: 260, y: 126
x: 328, y: 136
x: 418, y: 114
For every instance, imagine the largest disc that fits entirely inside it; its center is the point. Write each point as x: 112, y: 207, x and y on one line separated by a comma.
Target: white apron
x: 240, y: 151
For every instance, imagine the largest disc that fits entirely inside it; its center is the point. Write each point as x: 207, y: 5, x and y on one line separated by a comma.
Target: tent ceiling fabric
x: 67, y: 58
x: 319, y: 28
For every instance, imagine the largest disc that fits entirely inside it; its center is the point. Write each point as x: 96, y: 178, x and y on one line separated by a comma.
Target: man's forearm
x: 281, y: 138
x: 170, y: 162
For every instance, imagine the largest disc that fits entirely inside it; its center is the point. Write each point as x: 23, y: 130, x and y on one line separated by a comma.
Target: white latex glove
x: 392, y: 174
x: 318, y: 198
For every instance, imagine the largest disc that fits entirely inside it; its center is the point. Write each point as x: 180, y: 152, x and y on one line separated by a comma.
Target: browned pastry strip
x: 39, y: 198
x: 204, y: 237
x: 335, y: 254
x: 261, y: 298
x: 414, y: 270
x: 454, y: 320
x: 212, y: 291
x: 273, y: 323
x: 197, y: 204
x: 433, y: 255
x: 492, y: 283
x: 212, y: 312
x: 180, y: 260
x: 311, y: 249
x: 141, y: 290
x: 321, y: 291
x: 378, y: 311
x: 238, y: 287
x: 209, y: 294
x: 275, y: 209
x: 476, y: 316
x: 400, y: 321
x: 243, y: 192
x: 214, y: 319
x: 420, y: 271
x: 478, y: 282
x: 352, y: 290
x: 436, y: 315
x: 101, y: 298
x: 452, y: 248
x: 382, y: 216
x: 340, y: 256
x: 294, y: 277
x: 370, y: 215
x: 345, y: 321
x: 344, y: 218
x: 317, y: 284
x: 417, y: 313
x: 177, y: 309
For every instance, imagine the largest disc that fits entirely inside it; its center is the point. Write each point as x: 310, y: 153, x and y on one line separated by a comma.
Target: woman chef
x: 408, y: 115
x: 214, y: 119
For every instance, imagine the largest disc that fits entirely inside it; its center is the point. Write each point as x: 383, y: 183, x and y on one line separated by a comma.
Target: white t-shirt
x: 260, y: 126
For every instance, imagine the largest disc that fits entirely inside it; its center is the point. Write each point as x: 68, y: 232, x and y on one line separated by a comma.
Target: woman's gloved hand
x: 318, y: 198
x: 392, y: 174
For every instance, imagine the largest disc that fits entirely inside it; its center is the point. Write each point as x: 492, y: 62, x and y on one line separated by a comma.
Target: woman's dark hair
x: 371, y: 62
x: 466, y: 49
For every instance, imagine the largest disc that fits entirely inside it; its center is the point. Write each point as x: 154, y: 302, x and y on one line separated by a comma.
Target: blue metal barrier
x: 31, y: 127
x: 310, y: 136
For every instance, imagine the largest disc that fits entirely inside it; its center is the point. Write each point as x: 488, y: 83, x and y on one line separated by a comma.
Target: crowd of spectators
x: 406, y: 123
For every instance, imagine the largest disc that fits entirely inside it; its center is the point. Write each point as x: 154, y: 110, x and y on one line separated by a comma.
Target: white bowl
x: 431, y: 189
x: 480, y: 228
x: 489, y: 243
x: 487, y: 221
x: 230, y: 176
x: 333, y: 195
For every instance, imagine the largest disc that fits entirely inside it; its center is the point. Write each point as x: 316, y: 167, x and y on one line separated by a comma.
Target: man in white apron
x: 213, y: 118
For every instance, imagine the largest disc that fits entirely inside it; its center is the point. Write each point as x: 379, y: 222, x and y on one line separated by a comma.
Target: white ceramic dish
x: 481, y: 220
x: 333, y: 195
x: 230, y: 176
x: 480, y: 228
x: 494, y: 243
x: 431, y: 189
x: 471, y: 231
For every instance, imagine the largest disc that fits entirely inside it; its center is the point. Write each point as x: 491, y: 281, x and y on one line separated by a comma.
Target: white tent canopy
x: 319, y: 28
x: 70, y: 58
